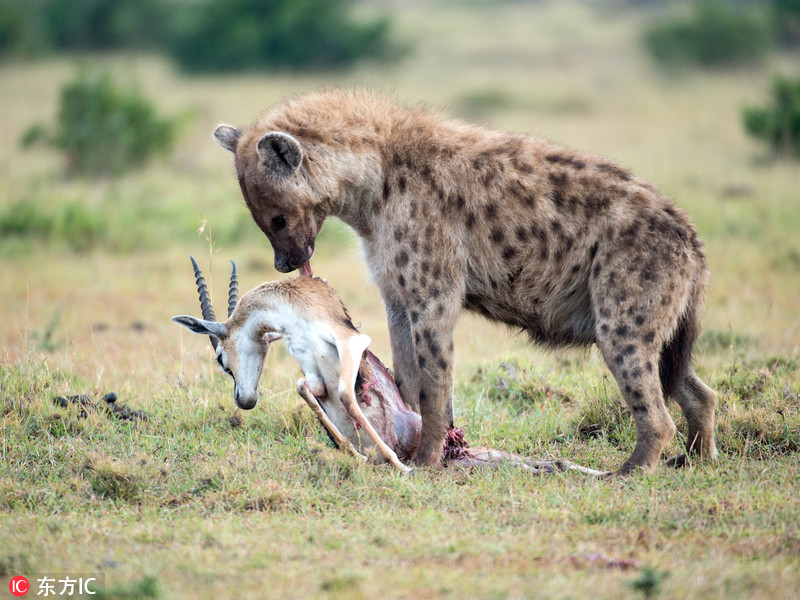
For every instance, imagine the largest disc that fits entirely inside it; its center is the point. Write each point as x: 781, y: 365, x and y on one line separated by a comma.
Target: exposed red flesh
x: 405, y: 426
x: 408, y: 428
x: 406, y: 423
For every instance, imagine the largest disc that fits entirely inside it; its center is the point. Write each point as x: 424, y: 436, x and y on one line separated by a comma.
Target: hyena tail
x: 676, y: 355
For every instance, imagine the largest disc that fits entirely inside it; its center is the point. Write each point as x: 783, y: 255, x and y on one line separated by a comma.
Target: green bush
x: 37, y: 26
x: 778, y: 124
x: 20, y: 30
x: 200, y: 35
x: 715, y: 34
x: 216, y: 35
x: 103, y: 24
x: 72, y: 223
x: 103, y: 129
x: 787, y: 14
x: 25, y: 219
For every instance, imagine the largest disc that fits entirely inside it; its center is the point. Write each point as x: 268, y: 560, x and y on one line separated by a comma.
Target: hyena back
x: 568, y: 247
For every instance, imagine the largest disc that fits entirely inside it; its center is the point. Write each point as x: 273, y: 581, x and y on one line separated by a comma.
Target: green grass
x: 202, y: 500
x: 189, y: 496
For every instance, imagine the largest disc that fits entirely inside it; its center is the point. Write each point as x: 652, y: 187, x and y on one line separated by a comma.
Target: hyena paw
x: 678, y: 462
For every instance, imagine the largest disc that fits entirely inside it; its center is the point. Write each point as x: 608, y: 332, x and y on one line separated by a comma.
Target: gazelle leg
x: 351, y: 350
x: 350, y: 353
x: 566, y: 465
x: 354, y: 410
x: 341, y: 441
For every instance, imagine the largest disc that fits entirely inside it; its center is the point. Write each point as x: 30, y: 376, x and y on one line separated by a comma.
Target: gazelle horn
x: 233, y: 290
x: 205, y: 300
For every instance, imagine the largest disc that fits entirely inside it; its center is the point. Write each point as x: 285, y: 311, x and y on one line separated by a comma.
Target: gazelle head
x: 240, y: 349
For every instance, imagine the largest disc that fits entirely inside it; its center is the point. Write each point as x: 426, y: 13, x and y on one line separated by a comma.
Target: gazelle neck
x: 265, y: 317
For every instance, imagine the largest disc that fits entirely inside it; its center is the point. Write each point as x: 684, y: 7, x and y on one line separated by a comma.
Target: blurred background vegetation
x: 234, y: 35
x: 718, y: 33
x: 109, y: 106
x: 105, y: 125
x: 200, y: 35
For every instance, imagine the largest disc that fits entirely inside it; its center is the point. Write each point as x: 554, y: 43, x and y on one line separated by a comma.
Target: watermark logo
x: 56, y: 586
x: 19, y: 586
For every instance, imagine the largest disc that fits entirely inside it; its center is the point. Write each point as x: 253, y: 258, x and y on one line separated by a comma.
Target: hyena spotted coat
x: 570, y: 248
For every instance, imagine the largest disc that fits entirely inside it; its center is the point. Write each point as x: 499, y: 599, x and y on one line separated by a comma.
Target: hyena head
x: 277, y: 192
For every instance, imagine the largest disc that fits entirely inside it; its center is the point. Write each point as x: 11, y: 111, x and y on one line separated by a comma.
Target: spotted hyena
x: 568, y: 247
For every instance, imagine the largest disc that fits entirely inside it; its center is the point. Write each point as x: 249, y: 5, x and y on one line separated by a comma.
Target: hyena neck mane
x: 362, y: 150
x: 365, y: 154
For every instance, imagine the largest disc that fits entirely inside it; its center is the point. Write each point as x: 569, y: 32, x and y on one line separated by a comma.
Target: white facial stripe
x: 250, y: 354
x: 248, y: 344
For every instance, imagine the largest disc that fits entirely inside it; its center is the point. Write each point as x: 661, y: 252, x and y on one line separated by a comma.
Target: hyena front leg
x: 432, y: 331
x: 404, y: 363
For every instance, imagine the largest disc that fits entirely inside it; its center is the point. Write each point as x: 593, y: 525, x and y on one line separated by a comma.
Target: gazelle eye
x: 278, y: 222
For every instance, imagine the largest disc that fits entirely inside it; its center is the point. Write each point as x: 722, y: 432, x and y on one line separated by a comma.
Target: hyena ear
x: 280, y: 152
x: 215, y: 328
x: 227, y: 136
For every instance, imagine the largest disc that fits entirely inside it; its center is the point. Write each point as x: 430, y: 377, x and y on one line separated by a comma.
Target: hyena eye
x: 278, y: 222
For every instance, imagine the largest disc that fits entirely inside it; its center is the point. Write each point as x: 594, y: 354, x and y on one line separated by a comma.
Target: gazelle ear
x: 227, y: 136
x: 280, y: 152
x: 195, y: 325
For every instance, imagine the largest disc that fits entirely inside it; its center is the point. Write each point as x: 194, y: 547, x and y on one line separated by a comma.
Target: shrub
x: 103, y: 24
x: 214, y: 35
x: 103, y: 129
x: 72, y: 222
x: 20, y: 29
x: 34, y: 27
x: 715, y: 34
x: 787, y: 14
x: 779, y: 122
x: 201, y: 35
x: 25, y: 219
x: 80, y: 227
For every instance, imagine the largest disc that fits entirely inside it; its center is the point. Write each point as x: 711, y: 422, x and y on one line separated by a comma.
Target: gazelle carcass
x: 338, y: 369
x: 345, y: 384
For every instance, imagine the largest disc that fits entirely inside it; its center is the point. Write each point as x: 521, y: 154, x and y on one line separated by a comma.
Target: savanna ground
x: 205, y: 501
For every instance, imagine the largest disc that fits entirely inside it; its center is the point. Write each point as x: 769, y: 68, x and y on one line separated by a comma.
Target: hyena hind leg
x: 632, y: 364
x: 697, y: 401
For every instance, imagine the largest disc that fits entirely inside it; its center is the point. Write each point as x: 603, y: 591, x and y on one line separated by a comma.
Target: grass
x: 204, y: 501
x: 187, y: 497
